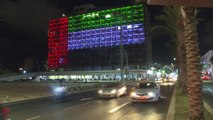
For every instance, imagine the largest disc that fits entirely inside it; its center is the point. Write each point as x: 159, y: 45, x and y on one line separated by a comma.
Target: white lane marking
x: 69, y: 108
x: 32, y: 118
x: 119, y: 107
x: 89, y: 98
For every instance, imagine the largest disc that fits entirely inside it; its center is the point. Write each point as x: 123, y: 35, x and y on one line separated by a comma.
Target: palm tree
x: 194, y: 85
x: 172, y: 27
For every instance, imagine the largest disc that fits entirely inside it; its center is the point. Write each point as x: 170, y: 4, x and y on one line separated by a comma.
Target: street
x: 88, y: 106
x: 208, y: 94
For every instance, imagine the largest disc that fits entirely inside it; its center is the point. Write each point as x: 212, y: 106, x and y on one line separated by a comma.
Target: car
x: 146, y: 92
x: 167, y: 83
x: 114, y: 90
x: 61, y: 92
x: 206, y: 77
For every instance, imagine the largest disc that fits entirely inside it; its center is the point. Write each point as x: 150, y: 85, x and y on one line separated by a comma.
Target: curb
x: 208, y: 108
x: 171, y: 111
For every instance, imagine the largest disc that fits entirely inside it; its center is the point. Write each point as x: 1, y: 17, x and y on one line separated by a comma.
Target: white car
x: 146, y: 92
x: 113, y: 90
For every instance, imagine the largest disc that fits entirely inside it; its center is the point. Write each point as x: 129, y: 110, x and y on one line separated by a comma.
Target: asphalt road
x: 88, y: 106
x: 208, y: 93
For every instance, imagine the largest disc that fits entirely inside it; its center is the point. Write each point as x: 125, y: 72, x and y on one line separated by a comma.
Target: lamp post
x: 127, y: 63
x: 37, y: 63
x: 121, y: 44
x: 121, y: 50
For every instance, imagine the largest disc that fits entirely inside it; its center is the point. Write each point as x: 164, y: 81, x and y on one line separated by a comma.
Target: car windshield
x: 146, y: 85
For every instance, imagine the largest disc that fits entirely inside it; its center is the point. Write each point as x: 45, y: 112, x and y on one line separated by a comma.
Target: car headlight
x: 133, y: 94
x: 100, y: 91
x: 151, y: 94
x: 59, y: 90
x: 113, y: 91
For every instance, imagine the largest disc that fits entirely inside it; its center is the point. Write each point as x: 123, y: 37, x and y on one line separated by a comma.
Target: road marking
x: 119, y: 107
x: 69, y: 108
x: 32, y: 118
x: 89, y: 98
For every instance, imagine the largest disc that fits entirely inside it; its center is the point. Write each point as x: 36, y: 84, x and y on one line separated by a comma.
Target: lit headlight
x: 133, y: 94
x: 124, y: 88
x: 113, y: 91
x: 151, y: 94
x: 100, y: 91
x: 59, y: 89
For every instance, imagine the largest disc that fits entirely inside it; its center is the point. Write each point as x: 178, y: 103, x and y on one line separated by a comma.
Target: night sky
x: 24, y: 24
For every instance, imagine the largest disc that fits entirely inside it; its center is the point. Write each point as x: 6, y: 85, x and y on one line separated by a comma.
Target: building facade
x: 206, y: 62
x: 100, y: 40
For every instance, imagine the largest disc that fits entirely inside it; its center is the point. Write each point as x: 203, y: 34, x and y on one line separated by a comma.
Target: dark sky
x: 24, y: 24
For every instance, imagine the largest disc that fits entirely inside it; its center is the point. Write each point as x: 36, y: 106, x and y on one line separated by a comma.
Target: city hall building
x: 100, y: 40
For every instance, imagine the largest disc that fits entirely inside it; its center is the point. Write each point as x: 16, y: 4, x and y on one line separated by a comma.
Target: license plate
x: 143, y: 97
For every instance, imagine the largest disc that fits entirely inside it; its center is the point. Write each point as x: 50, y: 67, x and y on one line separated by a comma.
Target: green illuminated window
x: 107, y: 18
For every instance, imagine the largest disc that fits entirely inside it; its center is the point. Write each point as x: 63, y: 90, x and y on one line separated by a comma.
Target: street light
x: 121, y: 48
x: 127, y: 63
x: 121, y: 44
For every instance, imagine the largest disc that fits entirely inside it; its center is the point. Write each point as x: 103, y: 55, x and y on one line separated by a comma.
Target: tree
x: 28, y: 64
x: 172, y: 26
x: 194, y: 85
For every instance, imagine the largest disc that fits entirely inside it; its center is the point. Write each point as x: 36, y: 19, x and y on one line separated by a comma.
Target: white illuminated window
x: 129, y: 26
x: 108, y: 16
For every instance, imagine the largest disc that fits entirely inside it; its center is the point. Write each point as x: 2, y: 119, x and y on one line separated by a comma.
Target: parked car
x: 112, y: 90
x: 146, y: 92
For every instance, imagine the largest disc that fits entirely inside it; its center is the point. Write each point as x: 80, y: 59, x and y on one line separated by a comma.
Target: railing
x: 12, y: 77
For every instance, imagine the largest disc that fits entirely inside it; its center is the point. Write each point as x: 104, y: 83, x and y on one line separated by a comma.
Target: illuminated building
x: 206, y: 62
x: 91, y: 41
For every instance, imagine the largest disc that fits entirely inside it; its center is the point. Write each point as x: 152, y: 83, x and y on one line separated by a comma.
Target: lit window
x: 108, y: 16
x: 129, y: 26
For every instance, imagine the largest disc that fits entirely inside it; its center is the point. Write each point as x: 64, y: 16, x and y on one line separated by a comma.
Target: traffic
x: 108, y: 102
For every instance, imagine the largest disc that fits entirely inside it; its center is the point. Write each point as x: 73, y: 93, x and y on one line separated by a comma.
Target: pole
x: 37, y: 63
x: 121, y: 48
x: 127, y: 64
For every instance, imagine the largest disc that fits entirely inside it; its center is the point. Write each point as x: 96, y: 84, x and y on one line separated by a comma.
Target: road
x: 88, y: 106
x: 208, y: 94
